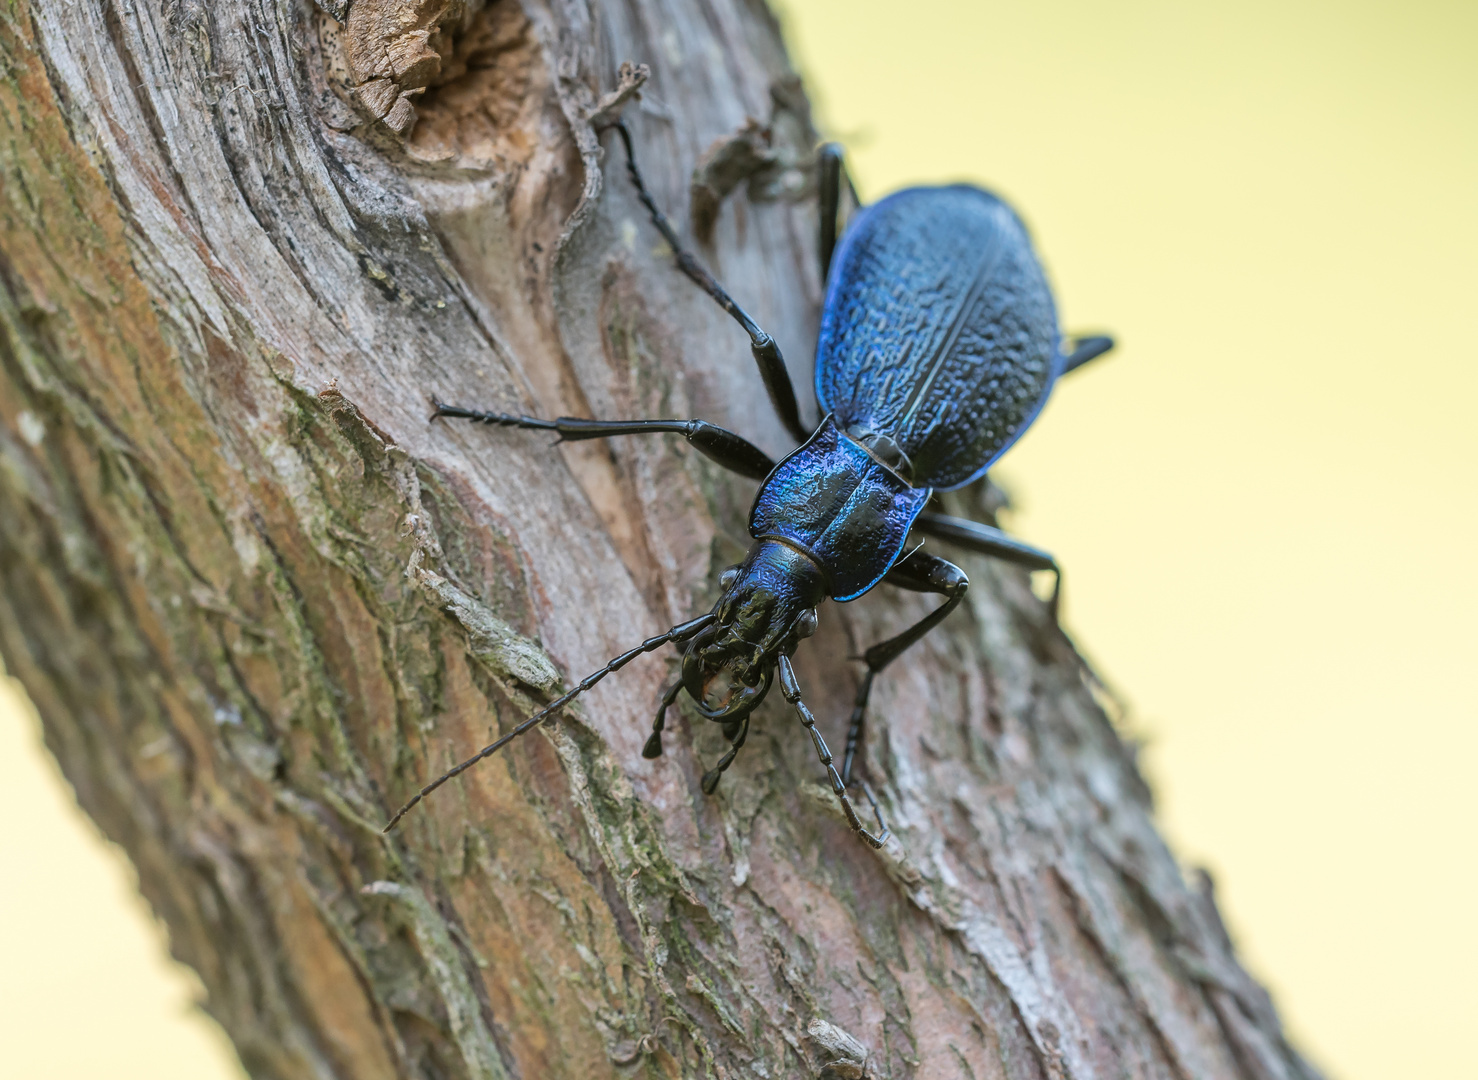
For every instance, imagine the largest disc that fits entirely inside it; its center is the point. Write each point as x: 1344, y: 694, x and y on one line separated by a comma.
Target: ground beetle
x: 939, y: 344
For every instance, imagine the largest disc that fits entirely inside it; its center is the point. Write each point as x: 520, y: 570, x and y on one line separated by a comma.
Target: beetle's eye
x: 728, y: 577
x: 805, y: 626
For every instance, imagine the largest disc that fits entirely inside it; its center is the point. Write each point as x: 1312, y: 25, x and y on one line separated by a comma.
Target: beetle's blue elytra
x: 938, y: 332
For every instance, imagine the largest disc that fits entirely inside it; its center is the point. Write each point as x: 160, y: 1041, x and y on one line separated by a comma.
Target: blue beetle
x: 939, y: 345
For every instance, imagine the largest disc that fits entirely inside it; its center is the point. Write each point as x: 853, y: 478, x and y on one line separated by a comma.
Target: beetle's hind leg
x: 1086, y: 348
x: 766, y: 352
x: 831, y: 179
x: 829, y: 166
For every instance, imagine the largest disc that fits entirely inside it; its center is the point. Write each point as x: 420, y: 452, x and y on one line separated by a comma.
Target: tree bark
x: 259, y: 600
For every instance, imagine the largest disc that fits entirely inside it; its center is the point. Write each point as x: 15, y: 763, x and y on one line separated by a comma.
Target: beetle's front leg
x: 791, y: 689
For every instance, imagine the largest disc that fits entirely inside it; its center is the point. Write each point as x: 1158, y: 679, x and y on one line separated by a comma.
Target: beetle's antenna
x: 677, y: 633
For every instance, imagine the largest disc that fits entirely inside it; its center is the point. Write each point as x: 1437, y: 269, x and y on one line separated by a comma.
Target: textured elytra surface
x: 940, y: 330
x: 258, y: 599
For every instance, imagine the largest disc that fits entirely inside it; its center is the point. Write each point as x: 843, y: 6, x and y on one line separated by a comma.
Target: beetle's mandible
x: 939, y: 345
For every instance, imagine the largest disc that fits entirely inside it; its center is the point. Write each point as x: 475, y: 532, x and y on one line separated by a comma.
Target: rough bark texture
x: 258, y: 599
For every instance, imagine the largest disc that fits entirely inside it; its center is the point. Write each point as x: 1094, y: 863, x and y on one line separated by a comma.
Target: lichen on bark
x: 258, y: 599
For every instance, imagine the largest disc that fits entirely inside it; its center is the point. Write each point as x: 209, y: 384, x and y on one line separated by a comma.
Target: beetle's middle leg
x: 920, y: 573
x: 766, y: 352
x: 736, y: 735
x: 733, y: 452
x: 987, y: 540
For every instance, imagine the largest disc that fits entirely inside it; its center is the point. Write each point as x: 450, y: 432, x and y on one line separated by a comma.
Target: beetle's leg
x: 792, y: 691
x: 653, y: 748
x: 832, y: 174
x: 711, y: 777
x: 766, y: 351
x: 974, y: 536
x: 1085, y: 349
x: 733, y: 452
x: 855, y: 725
x: 829, y: 177
x: 921, y: 573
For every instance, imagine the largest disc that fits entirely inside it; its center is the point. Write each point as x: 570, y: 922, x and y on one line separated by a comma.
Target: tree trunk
x: 259, y: 600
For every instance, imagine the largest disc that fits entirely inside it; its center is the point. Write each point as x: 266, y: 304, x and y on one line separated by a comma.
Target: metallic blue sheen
x: 834, y: 501
x: 938, y: 332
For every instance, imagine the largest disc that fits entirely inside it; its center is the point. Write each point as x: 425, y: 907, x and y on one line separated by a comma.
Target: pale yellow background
x: 1266, y: 499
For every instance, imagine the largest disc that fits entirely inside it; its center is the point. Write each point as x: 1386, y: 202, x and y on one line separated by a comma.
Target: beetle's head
x: 768, y: 605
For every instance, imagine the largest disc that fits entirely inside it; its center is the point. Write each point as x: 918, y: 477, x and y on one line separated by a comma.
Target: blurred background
x: 1266, y: 499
